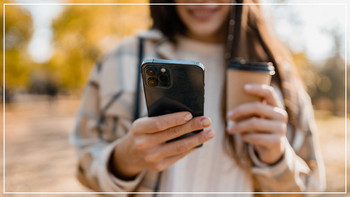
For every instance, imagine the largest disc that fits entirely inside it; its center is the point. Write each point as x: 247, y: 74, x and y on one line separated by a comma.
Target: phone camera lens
x: 152, y: 82
x: 164, y: 78
x: 151, y: 72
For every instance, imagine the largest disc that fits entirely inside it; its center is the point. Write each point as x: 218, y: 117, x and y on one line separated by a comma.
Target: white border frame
x: 80, y: 193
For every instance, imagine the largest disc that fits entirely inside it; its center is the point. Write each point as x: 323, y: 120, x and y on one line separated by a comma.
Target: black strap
x: 138, y: 80
x: 157, y: 185
x: 137, y: 102
x: 237, y: 28
x: 233, y: 32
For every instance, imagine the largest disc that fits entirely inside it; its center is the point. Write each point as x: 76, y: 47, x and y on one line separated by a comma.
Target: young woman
x: 277, y: 153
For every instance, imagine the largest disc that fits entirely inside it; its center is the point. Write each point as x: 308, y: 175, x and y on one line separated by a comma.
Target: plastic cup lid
x: 239, y: 64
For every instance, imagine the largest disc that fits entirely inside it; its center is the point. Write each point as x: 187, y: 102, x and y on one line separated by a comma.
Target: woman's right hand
x: 145, y: 147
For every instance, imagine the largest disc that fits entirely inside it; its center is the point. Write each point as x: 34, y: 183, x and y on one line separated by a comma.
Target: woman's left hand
x: 265, y: 125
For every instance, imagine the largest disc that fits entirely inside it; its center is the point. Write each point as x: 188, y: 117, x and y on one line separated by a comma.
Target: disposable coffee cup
x: 241, y: 73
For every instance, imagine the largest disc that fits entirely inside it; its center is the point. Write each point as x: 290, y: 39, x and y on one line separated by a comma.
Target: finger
x: 195, y: 124
x: 258, y: 109
x: 262, y: 139
x: 264, y: 91
x: 160, y: 123
x: 258, y: 125
x: 162, y: 165
x: 185, y: 144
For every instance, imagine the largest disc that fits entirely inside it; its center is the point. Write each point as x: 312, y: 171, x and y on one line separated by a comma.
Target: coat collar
x: 163, y: 47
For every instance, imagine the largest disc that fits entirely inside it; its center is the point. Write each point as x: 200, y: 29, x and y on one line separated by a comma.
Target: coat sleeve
x: 301, y: 168
x: 103, y: 118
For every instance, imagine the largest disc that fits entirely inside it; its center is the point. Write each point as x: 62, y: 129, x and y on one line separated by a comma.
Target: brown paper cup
x: 241, y: 73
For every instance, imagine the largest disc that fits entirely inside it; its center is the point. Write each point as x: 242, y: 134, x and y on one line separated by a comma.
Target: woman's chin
x: 204, y: 34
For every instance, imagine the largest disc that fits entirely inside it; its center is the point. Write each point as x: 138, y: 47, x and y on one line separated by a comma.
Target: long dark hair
x: 256, y: 43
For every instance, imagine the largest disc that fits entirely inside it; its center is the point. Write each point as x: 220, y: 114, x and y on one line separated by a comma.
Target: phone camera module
x: 151, y: 72
x: 164, y: 78
x: 152, y: 82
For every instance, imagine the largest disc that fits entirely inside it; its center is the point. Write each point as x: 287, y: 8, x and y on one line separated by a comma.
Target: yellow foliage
x: 83, y: 32
x: 18, y: 30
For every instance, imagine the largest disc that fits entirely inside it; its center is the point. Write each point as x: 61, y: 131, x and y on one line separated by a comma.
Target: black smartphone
x: 173, y: 86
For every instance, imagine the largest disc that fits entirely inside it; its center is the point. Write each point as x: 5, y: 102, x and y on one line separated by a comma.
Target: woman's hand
x: 264, y: 123
x: 145, y: 147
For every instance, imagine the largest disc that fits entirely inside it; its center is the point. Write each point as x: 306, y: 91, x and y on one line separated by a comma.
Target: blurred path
x: 38, y: 154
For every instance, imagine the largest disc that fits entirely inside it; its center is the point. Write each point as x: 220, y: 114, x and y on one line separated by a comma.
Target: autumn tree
x: 18, y: 31
x: 83, y: 33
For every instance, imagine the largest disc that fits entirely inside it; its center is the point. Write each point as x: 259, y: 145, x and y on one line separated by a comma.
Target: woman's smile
x: 202, y: 13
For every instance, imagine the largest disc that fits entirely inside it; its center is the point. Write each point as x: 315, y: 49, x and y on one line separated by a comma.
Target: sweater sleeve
x: 300, y: 169
x: 103, y: 118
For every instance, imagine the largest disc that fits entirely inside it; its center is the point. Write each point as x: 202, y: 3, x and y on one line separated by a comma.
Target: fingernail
x: 205, y: 122
x: 229, y: 114
x: 188, y: 116
x: 248, y: 86
x: 210, y: 133
x: 230, y: 126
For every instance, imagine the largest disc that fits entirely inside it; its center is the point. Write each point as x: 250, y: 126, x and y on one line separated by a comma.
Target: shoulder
x: 130, y: 43
x: 127, y: 48
x: 119, y: 65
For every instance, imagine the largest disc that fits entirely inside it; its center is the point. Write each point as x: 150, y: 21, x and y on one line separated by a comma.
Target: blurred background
x: 50, y: 50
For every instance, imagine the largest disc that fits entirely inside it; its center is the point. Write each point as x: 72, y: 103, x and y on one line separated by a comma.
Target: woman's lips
x: 202, y: 13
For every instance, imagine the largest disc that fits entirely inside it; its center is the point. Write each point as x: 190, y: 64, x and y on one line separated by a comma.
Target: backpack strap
x: 137, y: 101
x: 138, y: 79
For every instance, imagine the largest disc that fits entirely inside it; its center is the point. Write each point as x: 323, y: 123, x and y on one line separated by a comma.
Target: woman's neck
x: 218, y: 37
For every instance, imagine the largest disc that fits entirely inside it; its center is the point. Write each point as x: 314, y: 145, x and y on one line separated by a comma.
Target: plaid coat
x: 106, y: 113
